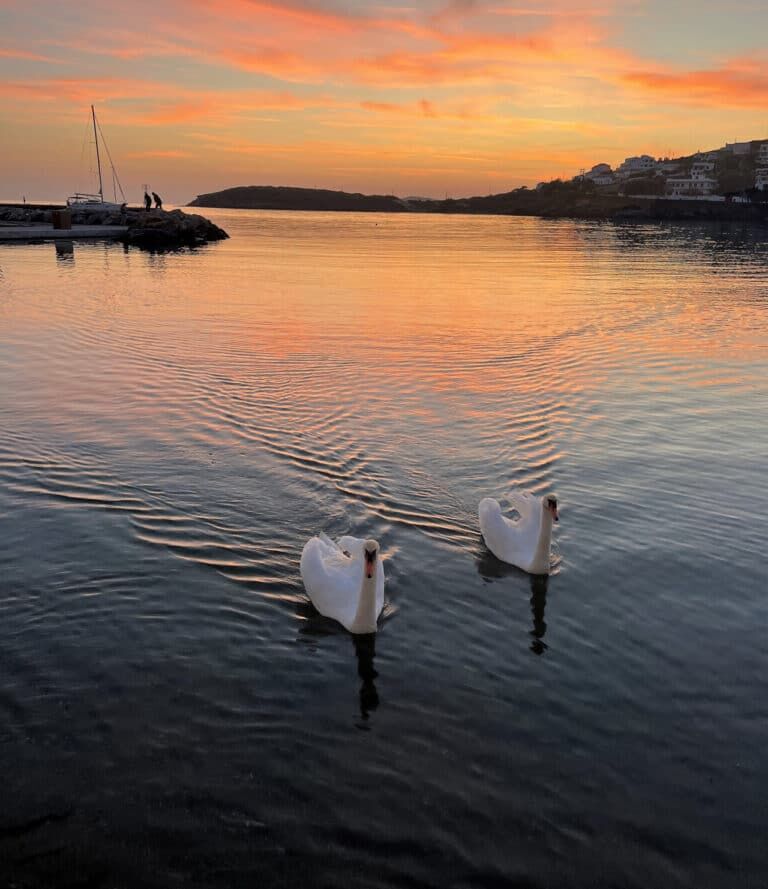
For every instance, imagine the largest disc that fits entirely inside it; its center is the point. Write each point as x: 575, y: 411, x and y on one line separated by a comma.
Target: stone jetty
x: 147, y: 229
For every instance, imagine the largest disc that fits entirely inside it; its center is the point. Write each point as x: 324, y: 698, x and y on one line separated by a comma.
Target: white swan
x: 524, y: 541
x: 345, y: 580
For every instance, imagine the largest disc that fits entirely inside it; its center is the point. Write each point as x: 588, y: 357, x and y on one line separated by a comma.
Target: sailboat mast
x: 98, y: 159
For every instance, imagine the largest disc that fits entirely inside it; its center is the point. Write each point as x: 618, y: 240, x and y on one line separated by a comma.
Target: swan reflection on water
x: 490, y: 568
x: 365, y: 651
x: 315, y: 626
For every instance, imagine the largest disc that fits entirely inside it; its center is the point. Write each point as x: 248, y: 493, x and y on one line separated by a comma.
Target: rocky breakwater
x: 169, y: 230
x: 148, y: 229
x: 13, y: 215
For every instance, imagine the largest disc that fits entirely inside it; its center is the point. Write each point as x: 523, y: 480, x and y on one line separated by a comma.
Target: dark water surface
x: 173, y: 428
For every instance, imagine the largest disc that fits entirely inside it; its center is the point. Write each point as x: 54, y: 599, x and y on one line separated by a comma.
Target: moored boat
x: 96, y: 202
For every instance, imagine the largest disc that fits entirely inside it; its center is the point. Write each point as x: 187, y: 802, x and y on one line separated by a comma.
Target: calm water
x: 173, y: 428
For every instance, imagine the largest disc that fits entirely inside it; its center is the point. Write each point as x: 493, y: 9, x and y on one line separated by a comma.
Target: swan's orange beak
x: 370, y: 564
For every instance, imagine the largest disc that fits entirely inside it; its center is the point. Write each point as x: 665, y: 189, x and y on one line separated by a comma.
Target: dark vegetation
x: 553, y: 199
x: 266, y: 197
x: 735, y: 173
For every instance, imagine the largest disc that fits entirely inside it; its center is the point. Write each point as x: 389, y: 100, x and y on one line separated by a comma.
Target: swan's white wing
x: 494, y: 528
x: 335, y: 557
x: 331, y: 579
x: 332, y: 559
x: 525, y: 503
x: 325, y: 539
x: 352, y: 545
x: 511, y: 540
x: 526, y: 529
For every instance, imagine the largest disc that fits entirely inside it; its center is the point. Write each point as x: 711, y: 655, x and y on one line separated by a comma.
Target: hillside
x: 267, y: 197
x: 557, y: 199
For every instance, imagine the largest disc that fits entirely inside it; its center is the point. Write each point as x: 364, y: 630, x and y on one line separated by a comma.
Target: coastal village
x: 734, y: 172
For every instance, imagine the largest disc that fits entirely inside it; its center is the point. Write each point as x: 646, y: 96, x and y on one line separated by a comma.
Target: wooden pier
x: 43, y: 232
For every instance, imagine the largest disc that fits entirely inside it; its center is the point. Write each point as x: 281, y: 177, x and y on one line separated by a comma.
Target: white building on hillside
x: 642, y: 164
x: 762, y: 155
x: 738, y: 147
x: 600, y: 174
x: 761, y: 178
x: 702, y: 169
x: 679, y: 186
x: 596, y: 171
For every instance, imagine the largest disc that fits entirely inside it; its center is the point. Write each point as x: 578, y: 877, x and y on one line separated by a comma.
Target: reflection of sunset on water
x: 325, y: 339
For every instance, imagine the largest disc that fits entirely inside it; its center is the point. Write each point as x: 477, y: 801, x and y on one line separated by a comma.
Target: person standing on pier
x: 147, y: 201
x: 158, y: 201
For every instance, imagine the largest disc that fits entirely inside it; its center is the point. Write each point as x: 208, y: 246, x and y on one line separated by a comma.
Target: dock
x: 49, y: 233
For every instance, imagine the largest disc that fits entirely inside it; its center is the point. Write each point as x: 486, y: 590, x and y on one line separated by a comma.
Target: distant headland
x: 727, y: 183
x: 267, y: 197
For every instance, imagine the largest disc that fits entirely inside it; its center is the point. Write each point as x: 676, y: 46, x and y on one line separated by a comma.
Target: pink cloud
x: 6, y: 53
x: 158, y: 153
x: 741, y: 83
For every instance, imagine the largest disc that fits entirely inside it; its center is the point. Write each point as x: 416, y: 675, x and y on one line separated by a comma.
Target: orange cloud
x: 82, y: 90
x: 180, y: 112
x: 301, y: 13
x: 22, y: 54
x: 299, y: 42
x: 419, y: 108
x: 739, y: 84
x: 159, y: 153
x: 479, y: 57
x: 276, y: 62
x: 152, y: 103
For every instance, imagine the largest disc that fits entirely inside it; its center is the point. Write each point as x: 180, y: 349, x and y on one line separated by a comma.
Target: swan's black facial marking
x: 552, y: 507
x: 370, y: 562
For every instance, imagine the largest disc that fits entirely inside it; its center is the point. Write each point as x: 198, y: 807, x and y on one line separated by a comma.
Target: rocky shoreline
x: 147, y: 229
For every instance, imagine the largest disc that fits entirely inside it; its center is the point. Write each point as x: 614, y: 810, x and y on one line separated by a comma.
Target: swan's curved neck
x: 540, y: 564
x: 365, y: 616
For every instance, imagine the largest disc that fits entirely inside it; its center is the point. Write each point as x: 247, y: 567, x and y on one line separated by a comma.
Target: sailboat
x: 80, y: 201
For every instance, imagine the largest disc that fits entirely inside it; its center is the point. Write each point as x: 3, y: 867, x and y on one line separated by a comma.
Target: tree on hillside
x: 735, y: 180
x: 735, y: 173
x: 644, y: 185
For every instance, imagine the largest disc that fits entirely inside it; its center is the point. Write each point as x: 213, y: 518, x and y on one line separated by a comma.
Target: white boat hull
x: 85, y: 202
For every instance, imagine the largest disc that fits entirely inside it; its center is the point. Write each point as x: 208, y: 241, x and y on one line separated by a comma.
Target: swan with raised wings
x: 524, y: 541
x: 345, y: 580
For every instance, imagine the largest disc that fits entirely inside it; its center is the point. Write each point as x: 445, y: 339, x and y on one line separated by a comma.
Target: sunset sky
x: 460, y: 97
